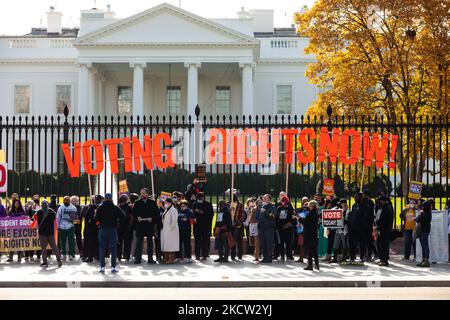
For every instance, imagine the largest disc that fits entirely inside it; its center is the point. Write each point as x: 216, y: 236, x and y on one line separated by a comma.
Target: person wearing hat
x: 170, y: 235
x: 310, y: 223
x: 299, y: 230
x: 237, y: 217
x: 341, y: 236
x: 125, y: 232
x: 284, y: 222
x: 91, y: 230
x: 221, y: 230
x: 204, y: 213
x: 146, y: 213
x: 383, y: 221
x: 185, y: 217
x: 108, y: 216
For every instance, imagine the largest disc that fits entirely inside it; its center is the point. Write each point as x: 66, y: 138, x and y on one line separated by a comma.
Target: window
x: 63, y: 97
x: 124, y: 100
x: 21, y: 151
x: 173, y: 99
x: 284, y: 99
x: 22, y: 99
x: 223, y: 100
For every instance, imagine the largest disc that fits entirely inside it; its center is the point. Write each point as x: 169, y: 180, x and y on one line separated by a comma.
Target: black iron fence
x: 37, y: 166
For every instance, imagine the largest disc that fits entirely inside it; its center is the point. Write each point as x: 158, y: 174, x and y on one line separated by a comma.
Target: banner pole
x: 90, y: 186
x: 232, y: 183
x: 287, y: 179
x: 362, y: 179
x: 153, y: 183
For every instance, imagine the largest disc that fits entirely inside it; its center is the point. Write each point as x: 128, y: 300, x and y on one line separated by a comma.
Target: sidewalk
x: 244, y: 273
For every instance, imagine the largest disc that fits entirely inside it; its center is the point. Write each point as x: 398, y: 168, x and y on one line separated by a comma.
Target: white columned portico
x: 93, y: 92
x: 83, y: 89
x: 101, y: 95
x: 192, y: 88
x: 247, y: 88
x: 138, y: 88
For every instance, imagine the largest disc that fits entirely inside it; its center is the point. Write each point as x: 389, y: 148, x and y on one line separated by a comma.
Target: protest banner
x: 3, y: 178
x: 16, y: 234
x: 200, y: 172
x: 438, y: 238
x: 332, y: 218
x: 415, y: 190
x: 328, y: 187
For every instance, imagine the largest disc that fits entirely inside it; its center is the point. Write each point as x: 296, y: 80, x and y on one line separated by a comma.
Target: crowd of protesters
x: 275, y: 228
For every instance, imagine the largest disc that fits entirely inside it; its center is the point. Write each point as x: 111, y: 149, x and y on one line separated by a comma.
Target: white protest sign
x: 438, y: 238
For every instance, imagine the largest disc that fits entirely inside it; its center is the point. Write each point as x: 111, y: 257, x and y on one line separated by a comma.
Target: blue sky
x: 19, y: 16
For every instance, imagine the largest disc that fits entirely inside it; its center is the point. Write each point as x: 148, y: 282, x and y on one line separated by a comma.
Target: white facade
x: 160, y: 61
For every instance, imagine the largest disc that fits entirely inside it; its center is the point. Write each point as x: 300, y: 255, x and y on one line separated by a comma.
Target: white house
x: 164, y: 60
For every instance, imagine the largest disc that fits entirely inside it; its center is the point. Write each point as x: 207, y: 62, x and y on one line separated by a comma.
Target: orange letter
x: 99, y: 161
x: 73, y: 164
x: 326, y: 144
x: 111, y: 145
x: 289, y: 133
x: 216, y: 146
x: 245, y: 140
x: 144, y: 153
x: 369, y: 150
x: 159, y: 141
x: 306, y: 145
x: 356, y: 145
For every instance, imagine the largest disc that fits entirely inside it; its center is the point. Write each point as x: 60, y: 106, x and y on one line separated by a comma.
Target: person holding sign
x: 253, y: 235
x: 383, y: 221
x: 204, y: 213
x: 407, y: 217
x: 46, y: 228
x: 16, y: 211
x: 310, y: 224
x: 341, y: 237
x: 221, y: 230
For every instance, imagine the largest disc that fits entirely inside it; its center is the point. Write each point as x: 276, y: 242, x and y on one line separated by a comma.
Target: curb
x: 226, y: 284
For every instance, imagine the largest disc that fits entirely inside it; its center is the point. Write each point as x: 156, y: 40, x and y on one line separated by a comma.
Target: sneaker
x: 405, y: 259
x: 151, y: 261
x: 71, y: 258
x: 59, y: 263
x: 44, y: 265
x: 102, y: 270
x: 219, y: 260
x: 425, y: 264
x: 310, y: 268
x: 114, y: 270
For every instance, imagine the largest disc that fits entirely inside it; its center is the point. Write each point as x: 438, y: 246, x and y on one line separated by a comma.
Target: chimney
x: 242, y: 14
x: 54, y: 20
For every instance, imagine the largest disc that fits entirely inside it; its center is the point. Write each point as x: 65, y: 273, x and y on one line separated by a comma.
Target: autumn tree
x: 384, y: 58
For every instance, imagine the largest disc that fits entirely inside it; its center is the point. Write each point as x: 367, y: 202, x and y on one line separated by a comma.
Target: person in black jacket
x: 424, y: 219
x: 192, y: 191
x: 221, y: 230
x: 370, y: 217
x: 108, y: 216
x: 384, y: 220
x: 356, y: 224
x: 91, y: 230
x: 311, y: 240
x: 77, y: 224
x: 146, y: 212
x: 46, y: 229
x: 203, y: 213
x: 284, y: 222
x: 125, y: 232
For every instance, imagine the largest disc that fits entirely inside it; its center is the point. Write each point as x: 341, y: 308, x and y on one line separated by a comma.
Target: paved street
x: 240, y: 294
x: 234, y: 274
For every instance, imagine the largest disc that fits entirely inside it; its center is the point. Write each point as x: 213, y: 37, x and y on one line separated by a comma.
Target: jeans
x: 424, y: 243
x: 67, y: 236
x: 408, y: 242
x: 266, y: 239
x: 185, y: 244
x: 108, y: 237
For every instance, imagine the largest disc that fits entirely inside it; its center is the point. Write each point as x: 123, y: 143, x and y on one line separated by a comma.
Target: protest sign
x: 415, y: 190
x: 3, y: 177
x: 16, y: 234
x: 123, y: 187
x: 328, y: 187
x: 332, y: 218
x: 438, y: 238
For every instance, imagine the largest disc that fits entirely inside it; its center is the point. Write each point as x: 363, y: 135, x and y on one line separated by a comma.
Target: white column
x: 101, y: 95
x: 192, y: 96
x: 93, y: 110
x: 83, y: 89
x: 247, y: 88
x: 138, y: 89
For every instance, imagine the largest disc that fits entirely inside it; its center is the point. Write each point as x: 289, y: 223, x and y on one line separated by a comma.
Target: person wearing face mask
x: 356, y: 224
x: 407, y: 217
x: 284, y: 222
x: 46, y: 229
x: 54, y: 203
x: 424, y: 220
x: 221, y: 229
x: 170, y: 235
x: 192, y: 191
x: 266, y: 219
x: 91, y: 230
x: 185, y: 216
x: 238, y: 217
x: 66, y: 215
x: 204, y: 213
x: 146, y: 212
x: 310, y: 223
x: 299, y: 230
x: 341, y: 236
x: 16, y: 210
x: 253, y: 235
x: 77, y: 224
x: 383, y: 221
